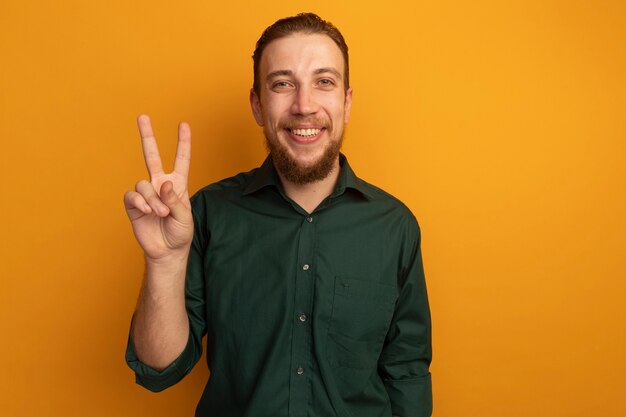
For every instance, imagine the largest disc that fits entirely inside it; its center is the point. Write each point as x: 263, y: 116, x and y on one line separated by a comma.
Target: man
x: 307, y: 280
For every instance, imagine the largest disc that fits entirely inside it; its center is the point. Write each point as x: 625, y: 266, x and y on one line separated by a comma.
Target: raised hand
x: 159, y: 210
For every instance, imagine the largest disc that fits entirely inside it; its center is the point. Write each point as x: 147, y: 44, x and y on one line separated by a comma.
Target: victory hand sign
x: 159, y: 210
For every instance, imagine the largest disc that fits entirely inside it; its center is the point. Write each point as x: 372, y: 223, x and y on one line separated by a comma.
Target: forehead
x: 301, y: 52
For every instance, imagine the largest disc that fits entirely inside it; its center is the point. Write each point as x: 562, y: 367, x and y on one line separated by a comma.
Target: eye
x: 281, y: 85
x: 326, y: 82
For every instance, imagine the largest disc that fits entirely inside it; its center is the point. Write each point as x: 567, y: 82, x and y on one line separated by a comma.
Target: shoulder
x: 388, y: 203
x: 225, y: 189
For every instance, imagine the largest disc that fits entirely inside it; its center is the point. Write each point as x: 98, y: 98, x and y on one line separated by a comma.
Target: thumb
x: 169, y: 197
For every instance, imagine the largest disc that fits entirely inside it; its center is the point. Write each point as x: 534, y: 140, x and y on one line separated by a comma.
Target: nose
x: 304, y: 102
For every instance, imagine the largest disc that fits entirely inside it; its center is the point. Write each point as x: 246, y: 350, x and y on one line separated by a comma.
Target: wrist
x: 166, y: 273
x: 171, y: 260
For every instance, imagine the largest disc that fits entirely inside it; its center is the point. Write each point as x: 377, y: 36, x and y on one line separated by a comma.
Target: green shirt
x: 322, y: 314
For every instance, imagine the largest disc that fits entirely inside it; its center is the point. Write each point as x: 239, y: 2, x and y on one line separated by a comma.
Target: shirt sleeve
x: 194, y: 301
x: 155, y: 380
x: 405, y: 360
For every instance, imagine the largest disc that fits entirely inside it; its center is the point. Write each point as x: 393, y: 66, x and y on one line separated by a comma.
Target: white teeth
x: 305, y: 132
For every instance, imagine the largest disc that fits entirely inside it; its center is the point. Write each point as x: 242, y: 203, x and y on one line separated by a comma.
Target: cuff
x: 155, y: 380
x: 410, y: 397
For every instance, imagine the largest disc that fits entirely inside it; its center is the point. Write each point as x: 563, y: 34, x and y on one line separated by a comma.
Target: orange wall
x: 501, y: 124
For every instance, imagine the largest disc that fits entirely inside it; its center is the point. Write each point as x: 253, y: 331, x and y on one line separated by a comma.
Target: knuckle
x: 138, y: 199
x: 154, y: 200
x: 143, y: 187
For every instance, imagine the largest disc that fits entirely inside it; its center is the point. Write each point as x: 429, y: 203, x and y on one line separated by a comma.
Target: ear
x: 347, y: 106
x: 255, y: 103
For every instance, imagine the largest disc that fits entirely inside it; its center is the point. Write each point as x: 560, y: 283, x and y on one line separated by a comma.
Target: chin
x: 302, y: 165
x: 307, y: 161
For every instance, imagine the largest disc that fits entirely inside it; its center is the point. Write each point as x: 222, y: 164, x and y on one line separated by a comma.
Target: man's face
x: 303, y: 105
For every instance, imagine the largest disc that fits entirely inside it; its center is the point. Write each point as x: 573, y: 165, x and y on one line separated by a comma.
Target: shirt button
x: 302, y: 317
x: 309, y: 219
x: 305, y: 267
x: 300, y: 371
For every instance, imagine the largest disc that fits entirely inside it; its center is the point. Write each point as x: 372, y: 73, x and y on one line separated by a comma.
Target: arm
x: 160, y: 213
x: 405, y: 359
x: 160, y: 327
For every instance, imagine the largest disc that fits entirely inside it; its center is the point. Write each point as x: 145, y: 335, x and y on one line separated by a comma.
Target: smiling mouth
x: 305, y: 133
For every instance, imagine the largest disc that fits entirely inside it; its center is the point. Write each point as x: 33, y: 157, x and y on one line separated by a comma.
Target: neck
x: 310, y: 195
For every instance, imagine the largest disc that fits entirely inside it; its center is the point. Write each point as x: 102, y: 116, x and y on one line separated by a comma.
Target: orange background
x: 500, y: 124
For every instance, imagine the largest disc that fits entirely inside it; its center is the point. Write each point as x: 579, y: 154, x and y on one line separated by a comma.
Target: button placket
x: 302, y: 343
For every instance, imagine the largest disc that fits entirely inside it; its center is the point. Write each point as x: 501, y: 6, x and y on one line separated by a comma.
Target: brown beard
x: 294, y: 172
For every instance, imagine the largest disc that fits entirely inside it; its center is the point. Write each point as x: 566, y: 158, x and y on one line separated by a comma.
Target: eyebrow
x: 327, y: 69
x: 279, y: 73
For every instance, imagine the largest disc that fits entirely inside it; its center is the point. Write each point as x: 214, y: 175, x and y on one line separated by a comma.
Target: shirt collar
x: 266, y: 176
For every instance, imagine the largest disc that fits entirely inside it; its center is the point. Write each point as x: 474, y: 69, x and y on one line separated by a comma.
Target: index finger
x: 149, y: 146
x: 183, y: 150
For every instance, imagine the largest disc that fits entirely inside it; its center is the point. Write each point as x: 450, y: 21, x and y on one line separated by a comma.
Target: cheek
x: 337, y: 113
x: 274, y: 115
x: 277, y: 103
x: 336, y: 106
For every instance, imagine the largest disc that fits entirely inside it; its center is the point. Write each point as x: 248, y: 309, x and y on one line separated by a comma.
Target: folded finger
x: 135, y: 205
x: 149, y: 194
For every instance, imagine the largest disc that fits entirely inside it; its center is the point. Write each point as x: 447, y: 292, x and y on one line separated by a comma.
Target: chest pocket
x: 360, y: 318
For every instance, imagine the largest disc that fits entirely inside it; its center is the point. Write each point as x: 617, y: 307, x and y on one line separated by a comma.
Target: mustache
x: 297, y: 122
